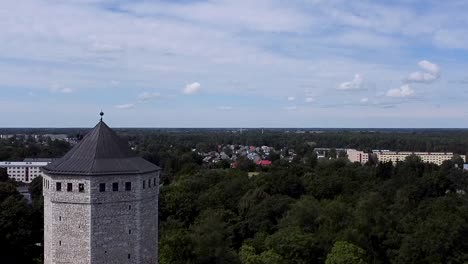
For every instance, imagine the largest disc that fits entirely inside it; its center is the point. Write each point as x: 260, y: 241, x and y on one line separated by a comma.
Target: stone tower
x: 101, y: 204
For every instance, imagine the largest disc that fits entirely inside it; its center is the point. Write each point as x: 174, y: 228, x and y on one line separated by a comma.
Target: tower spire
x: 101, y: 114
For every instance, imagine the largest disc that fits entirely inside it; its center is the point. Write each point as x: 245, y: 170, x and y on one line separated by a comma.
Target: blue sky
x: 234, y: 63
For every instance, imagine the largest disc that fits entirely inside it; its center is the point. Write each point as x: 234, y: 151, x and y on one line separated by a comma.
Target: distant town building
x: 323, y: 152
x: 263, y: 163
x: 26, y: 170
x: 56, y: 136
x: 430, y: 157
x: 101, y: 204
x: 357, y: 156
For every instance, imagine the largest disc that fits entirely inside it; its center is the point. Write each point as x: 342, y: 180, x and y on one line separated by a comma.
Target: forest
x: 299, y: 211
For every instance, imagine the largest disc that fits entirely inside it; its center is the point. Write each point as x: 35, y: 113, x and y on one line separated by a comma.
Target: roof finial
x: 101, y: 114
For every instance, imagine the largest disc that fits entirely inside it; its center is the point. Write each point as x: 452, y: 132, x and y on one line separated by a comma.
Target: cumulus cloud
x: 310, y: 99
x: 291, y: 98
x: 429, y: 67
x: 364, y: 100
x: 125, y: 106
x: 430, y: 73
x: 403, y: 91
x: 192, y: 88
x: 147, y: 96
x: 355, y: 84
x: 421, y: 77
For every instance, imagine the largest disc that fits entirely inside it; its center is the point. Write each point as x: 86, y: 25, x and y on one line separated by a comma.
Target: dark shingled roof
x: 101, y: 152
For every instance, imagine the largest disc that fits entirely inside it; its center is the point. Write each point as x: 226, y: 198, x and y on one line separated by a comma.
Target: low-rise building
x: 430, y: 157
x: 25, y: 171
x: 357, y: 156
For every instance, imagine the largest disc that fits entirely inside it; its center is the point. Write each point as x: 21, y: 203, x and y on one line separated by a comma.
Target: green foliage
x: 346, y: 253
x: 294, y: 213
x: 212, y: 237
x: 35, y: 188
x: 248, y: 256
x: 17, y: 240
x: 3, y: 175
x: 295, y: 246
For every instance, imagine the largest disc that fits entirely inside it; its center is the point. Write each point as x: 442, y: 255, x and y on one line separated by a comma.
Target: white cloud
x: 355, y: 84
x: 147, y: 96
x: 364, y: 100
x: 192, y: 88
x: 430, y: 73
x: 125, y: 106
x: 403, y: 91
x: 421, y: 77
x: 429, y: 67
x: 310, y: 99
x: 291, y: 98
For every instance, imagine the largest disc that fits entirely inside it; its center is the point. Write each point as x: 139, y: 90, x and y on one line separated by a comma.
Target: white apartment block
x: 357, y: 156
x: 430, y: 157
x: 25, y: 171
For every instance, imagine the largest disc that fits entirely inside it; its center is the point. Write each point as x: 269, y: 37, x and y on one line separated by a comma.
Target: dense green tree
x: 212, y: 236
x: 3, y: 175
x: 249, y: 256
x: 346, y: 253
x: 16, y: 241
x: 295, y: 246
x: 175, y: 245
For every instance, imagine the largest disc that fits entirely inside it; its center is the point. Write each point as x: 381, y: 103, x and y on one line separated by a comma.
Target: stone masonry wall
x: 101, y: 227
x: 66, y: 222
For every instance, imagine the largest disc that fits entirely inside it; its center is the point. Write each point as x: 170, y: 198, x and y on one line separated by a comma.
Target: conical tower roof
x: 101, y: 152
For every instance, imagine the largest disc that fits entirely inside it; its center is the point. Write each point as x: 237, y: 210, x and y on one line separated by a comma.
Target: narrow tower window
x: 115, y: 186
x: 144, y: 184
x: 102, y: 187
x: 128, y: 186
x: 81, y: 187
x: 58, y: 186
x: 69, y: 187
x: 154, y: 181
x: 149, y: 183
